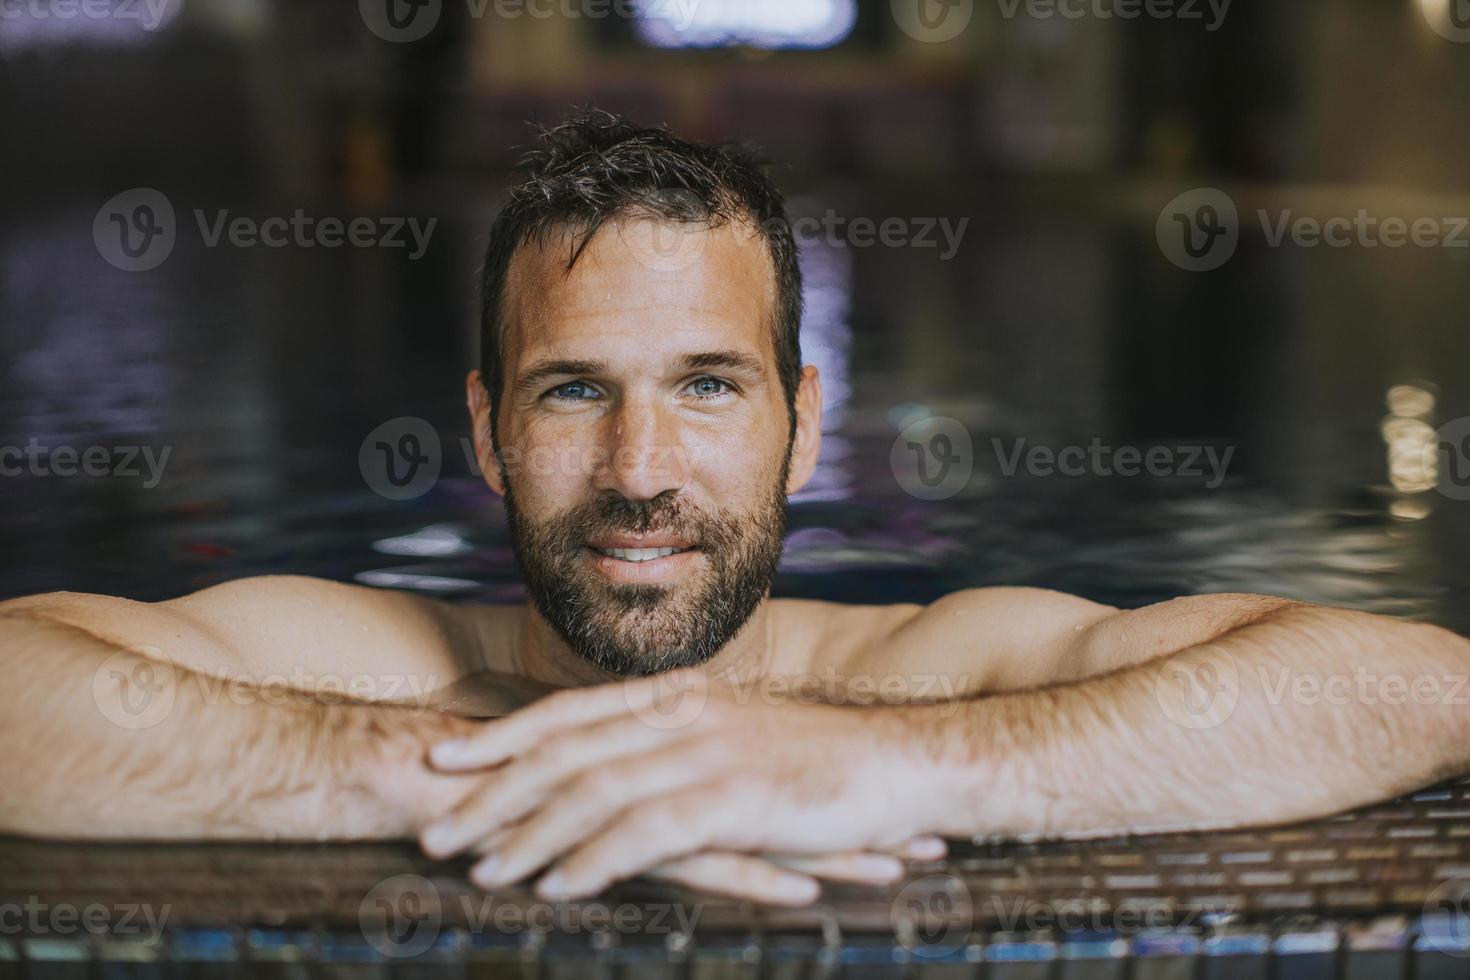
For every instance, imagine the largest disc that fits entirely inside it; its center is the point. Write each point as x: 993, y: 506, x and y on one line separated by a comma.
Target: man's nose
x: 642, y: 455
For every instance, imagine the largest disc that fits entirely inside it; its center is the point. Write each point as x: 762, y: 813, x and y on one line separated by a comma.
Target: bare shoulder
x: 830, y: 635
x: 290, y: 626
x: 965, y: 640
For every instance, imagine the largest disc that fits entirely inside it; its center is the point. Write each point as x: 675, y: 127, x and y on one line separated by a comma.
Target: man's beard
x: 633, y: 630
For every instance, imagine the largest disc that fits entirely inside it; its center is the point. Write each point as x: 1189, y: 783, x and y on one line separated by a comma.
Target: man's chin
x: 633, y: 628
x: 637, y: 642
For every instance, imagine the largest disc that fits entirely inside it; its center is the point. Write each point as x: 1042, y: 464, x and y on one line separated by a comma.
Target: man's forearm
x: 1307, y: 712
x: 100, y: 742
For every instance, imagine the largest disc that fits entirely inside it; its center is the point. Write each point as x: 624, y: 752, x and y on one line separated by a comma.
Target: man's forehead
x: 649, y: 278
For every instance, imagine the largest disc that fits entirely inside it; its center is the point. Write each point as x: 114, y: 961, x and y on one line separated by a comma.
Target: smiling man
x: 642, y: 408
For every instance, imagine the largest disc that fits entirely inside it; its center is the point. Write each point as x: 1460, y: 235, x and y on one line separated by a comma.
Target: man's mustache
x: 666, y: 513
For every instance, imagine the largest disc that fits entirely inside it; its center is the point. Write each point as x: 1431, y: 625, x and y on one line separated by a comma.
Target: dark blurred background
x: 1060, y: 133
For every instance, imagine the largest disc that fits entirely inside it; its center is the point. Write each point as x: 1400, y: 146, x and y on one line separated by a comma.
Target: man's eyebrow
x: 731, y: 359
x: 547, y: 370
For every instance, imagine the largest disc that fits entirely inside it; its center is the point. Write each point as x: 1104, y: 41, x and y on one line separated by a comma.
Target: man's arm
x: 205, y: 717
x: 995, y: 640
x: 1214, y: 710
x: 127, y: 720
x: 1210, y: 711
x: 1301, y: 712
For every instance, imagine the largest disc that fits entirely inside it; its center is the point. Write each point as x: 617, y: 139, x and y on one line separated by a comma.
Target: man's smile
x: 640, y: 558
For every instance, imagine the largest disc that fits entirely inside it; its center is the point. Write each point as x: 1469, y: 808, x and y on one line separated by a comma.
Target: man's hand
x: 789, y: 879
x: 608, y: 782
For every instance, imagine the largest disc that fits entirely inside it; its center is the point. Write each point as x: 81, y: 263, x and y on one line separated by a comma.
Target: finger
x: 518, y: 732
x: 856, y: 866
x: 490, y: 844
x: 740, y: 876
x: 518, y: 788
x: 925, y: 847
x: 650, y: 833
x: 584, y: 805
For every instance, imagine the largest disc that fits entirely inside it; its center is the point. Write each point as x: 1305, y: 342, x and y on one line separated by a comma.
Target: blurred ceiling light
x: 1410, y: 509
x: 1437, y: 12
x: 436, y: 541
x: 1413, y: 466
x: 389, y: 578
x: 1410, y: 401
x: 754, y: 23
x: 98, y: 23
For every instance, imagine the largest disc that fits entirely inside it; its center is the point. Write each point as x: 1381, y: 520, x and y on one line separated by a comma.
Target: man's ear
x: 477, y: 400
x: 807, y: 445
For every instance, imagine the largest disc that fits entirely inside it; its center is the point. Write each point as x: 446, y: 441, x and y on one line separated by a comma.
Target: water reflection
x: 260, y: 373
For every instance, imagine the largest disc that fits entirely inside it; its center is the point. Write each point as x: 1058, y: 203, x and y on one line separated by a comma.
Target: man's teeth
x: 638, y: 554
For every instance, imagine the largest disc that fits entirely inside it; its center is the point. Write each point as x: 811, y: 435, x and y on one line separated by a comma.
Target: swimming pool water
x: 261, y: 371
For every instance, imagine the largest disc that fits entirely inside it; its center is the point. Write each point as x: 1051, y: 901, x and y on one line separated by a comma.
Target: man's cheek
x: 549, y: 466
x: 753, y: 453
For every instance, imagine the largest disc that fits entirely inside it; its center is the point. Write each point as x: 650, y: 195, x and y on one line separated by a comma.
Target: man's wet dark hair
x: 597, y: 167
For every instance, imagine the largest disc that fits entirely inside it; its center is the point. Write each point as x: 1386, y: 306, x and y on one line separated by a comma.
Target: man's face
x: 645, y: 449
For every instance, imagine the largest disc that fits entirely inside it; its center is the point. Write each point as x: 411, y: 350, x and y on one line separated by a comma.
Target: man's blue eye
x: 572, y: 390
x: 708, y: 387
